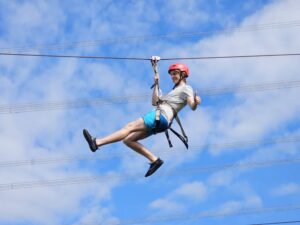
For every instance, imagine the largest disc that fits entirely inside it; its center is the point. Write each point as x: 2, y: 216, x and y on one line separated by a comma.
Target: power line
x: 131, y: 176
x: 251, y: 87
x: 274, y: 223
x: 77, y: 103
x: 148, y: 59
x: 137, y: 38
x: 208, y: 214
x: 80, y: 103
x: 72, y: 158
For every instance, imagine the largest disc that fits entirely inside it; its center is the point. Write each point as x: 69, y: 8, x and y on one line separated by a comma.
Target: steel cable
x: 246, y: 28
x: 132, y: 176
x: 80, y: 103
x: 205, y: 214
x: 279, y: 222
x: 72, y: 158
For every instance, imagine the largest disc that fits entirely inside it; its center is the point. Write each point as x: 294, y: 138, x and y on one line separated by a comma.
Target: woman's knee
x: 134, y: 137
x: 127, y: 141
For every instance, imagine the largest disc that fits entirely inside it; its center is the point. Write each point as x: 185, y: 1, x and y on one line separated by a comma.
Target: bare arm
x: 155, y: 97
x: 155, y: 90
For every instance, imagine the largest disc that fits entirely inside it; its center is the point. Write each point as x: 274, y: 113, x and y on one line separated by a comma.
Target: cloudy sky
x: 243, y: 163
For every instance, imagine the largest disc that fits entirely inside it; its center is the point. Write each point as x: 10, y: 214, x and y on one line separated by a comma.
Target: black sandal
x: 154, y: 166
x: 90, y: 140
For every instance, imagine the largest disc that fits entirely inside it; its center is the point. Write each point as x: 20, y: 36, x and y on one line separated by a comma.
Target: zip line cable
x: 139, y: 38
x: 72, y: 56
x: 280, y: 222
x: 232, y: 56
x: 136, y: 176
x: 205, y: 214
x: 72, y: 158
x: 80, y: 103
x: 148, y: 59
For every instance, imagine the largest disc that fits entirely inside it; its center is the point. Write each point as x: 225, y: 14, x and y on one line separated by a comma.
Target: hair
x: 184, y: 75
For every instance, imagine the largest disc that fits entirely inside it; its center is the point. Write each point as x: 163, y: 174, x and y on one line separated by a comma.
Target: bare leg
x: 130, y: 134
x: 137, y: 125
x: 132, y: 141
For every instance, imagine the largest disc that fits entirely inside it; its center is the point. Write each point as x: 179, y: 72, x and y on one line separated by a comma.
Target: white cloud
x: 178, y: 13
x: 254, y: 114
x: 221, y: 178
x: 53, y: 133
x: 31, y: 16
x: 166, y: 206
x: 98, y: 215
x: 286, y: 189
x: 234, y: 206
x: 40, y: 205
x: 195, y: 191
x: 25, y: 136
x: 176, y: 201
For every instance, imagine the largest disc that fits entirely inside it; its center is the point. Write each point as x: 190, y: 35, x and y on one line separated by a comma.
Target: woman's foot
x: 154, y: 166
x: 90, y: 140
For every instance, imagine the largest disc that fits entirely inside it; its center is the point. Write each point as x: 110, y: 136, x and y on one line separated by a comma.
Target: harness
x: 183, y: 137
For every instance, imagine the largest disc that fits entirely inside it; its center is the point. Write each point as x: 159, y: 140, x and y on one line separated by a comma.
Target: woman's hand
x: 194, y: 101
x: 197, y: 99
x: 154, y: 60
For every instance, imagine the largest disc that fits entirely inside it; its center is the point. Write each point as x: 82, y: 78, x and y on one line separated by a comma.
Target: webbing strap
x: 183, y: 139
x: 168, y: 138
x: 181, y: 127
x: 157, y: 120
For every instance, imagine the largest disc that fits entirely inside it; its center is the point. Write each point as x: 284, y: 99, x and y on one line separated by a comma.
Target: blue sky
x: 227, y: 129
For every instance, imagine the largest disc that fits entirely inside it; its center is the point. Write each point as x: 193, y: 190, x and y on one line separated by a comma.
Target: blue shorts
x: 149, y: 120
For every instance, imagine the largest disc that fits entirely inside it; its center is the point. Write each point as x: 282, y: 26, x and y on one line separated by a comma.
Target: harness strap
x: 181, y: 127
x: 182, y: 137
x: 157, y: 120
x: 168, y: 138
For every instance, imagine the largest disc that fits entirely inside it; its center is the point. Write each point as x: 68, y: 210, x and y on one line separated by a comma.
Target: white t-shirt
x: 177, y: 98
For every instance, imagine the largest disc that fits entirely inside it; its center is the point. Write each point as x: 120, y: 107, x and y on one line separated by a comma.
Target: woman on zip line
x: 157, y: 120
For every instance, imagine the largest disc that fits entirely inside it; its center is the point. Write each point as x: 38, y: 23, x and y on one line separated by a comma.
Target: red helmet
x: 181, y: 67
